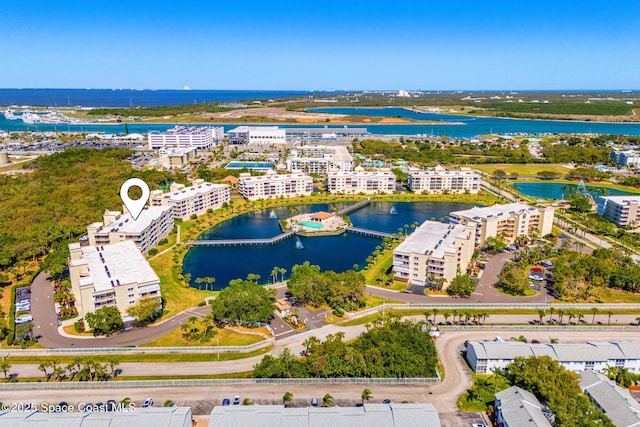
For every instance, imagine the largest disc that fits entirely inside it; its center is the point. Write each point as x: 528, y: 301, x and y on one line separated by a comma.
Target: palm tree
x: 274, y: 273
x: 561, y: 314
x: 43, y: 367
x: 283, y: 271
x: 579, y: 316
x: 541, y: 314
x: 595, y: 311
x: 551, y: 311
x: 609, y: 313
x: 434, y: 311
x: 446, y: 316
x: 366, y: 395
x: 638, y: 320
x: 287, y: 398
x: 327, y: 400
x: 5, y: 367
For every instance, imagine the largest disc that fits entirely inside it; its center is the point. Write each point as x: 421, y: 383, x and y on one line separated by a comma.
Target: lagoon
x: 338, y: 253
x: 553, y: 190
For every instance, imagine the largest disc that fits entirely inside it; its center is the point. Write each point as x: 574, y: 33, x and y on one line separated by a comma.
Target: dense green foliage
x: 243, y: 301
x: 575, y: 274
x: 42, y: 211
x: 579, y: 203
x: 513, y: 280
x: 337, y: 290
x: 600, y: 108
x: 461, y: 286
x: 559, y: 389
x: 588, y: 174
x: 166, y: 110
x: 146, y: 309
x: 548, y: 175
x: 632, y: 181
x: 104, y: 320
x: 391, y: 349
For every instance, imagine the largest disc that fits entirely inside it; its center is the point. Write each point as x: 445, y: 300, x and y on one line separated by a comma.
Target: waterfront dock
x: 242, y: 242
x: 354, y: 207
x: 370, y: 233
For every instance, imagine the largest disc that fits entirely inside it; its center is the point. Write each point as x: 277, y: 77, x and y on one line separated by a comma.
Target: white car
x: 24, y: 319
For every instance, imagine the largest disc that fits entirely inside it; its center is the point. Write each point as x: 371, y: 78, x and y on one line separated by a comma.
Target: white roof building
x: 113, y: 275
x: 361, y: 181
x: 194, y: 200
x: 616, y: 402
x: 153, y: 224
x: 485, y: 356
x: 257, y: 135
x: 320, y: 159
x: 621, y: 210
x: 275, y: 185
x: 441, y: 180
x: 369, y: 415
x: 508, y: 221
x: 626, y: 157
x: 154, y: 416
x: 185, y: 137
x: 516, y: 407
x: 434, y: 251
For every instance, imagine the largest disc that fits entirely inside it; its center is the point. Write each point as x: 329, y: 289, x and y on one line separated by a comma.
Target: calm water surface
x: 338, y: 253
x: 553, y: 190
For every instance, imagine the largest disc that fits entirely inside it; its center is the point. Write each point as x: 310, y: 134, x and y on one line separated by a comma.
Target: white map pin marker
x: 134, y: 207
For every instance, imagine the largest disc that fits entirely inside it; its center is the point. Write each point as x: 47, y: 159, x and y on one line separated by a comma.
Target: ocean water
x: 133, y: 97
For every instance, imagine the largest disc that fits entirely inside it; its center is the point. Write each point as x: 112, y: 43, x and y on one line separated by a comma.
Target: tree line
x: 389, y: 349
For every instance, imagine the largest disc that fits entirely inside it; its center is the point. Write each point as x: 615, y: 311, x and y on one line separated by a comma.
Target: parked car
x: 148, y: 402
x: 111, y: 405
x: 226, y: 401
x: 236, y: 400
x: 547, y: 263
x: 26, y: 318
x: 498, y: 339
x: 314, y: 402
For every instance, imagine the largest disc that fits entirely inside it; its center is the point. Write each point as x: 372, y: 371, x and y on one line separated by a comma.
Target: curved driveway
x: 46, y: 323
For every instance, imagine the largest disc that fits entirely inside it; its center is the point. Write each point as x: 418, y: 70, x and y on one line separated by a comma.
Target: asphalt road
x: 46, y: 323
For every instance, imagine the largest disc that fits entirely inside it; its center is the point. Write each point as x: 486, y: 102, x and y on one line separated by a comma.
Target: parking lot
x: 23, y: 306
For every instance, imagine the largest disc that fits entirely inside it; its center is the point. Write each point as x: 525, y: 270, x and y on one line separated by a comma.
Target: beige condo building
x: 509, y: 221
x: 434, y: 251
x: 114, y: 275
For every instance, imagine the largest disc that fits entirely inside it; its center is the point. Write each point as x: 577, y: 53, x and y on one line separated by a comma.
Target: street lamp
x: 218, y: 345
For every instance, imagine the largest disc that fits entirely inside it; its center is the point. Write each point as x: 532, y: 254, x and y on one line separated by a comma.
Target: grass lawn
x: 611, y: 296
x: 178, y: 297
x: 226, y: 337
x: 528, y: 169
x: 376, y: 273
x: 482, y: 393
x: 173, y: 357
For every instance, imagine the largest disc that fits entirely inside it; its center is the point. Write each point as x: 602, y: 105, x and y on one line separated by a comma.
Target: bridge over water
x: 242, y: 242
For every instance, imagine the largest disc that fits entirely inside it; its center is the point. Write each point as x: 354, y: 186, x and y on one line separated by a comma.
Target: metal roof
x: 577, y: 352
x: 615, y: 401
x: 521, y: 408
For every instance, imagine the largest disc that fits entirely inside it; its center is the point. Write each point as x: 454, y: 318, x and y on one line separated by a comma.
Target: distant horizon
x: 326, y: 90
x: 405, y: 44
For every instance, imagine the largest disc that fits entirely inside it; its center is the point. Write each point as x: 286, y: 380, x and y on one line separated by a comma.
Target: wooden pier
x: 370, y: 233
x: 242, y: 242
x: 354, y: 207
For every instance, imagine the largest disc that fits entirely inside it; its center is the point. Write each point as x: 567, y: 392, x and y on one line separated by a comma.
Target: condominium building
x: 273, y: 185
x: 194, y: 200
x: 177, y: 157
x: 621, y: 210
x: 359, y: 181
x: 153, y: 224
x: 616, y: 402
x: 508, y: 221
x: 257, y: 135
x: 325, y: 133
x: 434, y: 251
x: 626, y: 157
x: 320, y: 159
x: 441, y: 180
x: 115, y: 275
x: 186, y: 137
x: 485, y: 356
x: 516, y: 407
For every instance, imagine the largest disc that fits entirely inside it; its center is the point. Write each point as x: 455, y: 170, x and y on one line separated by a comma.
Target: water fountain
x: 393, y: 211
x: 272, y: 214
x: 299, y: 243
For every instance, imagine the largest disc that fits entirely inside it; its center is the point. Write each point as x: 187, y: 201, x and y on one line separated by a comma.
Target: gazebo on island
x: 321, y: 216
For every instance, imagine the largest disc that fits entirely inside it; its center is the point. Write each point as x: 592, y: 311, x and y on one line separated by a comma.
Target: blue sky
x: 344, y: 44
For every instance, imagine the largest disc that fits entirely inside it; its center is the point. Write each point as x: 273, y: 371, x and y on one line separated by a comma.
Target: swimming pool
x: 310, y: 224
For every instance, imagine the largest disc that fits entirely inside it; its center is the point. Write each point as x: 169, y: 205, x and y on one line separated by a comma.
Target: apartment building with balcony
x: 273, y: 185
x: 320, y: 159
x: 186, y: 137
x: 441, y: 180
x: 257, y: 135
x: 359, y: 181
x: 116, y: 275
x: 194, y: 200
x: 620, y: 210
x: 434, y: 251
x: 153, y: 224
x: 508, y: 221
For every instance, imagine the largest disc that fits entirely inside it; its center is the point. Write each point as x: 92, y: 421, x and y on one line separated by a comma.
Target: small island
x: 315, y: 223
